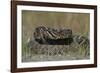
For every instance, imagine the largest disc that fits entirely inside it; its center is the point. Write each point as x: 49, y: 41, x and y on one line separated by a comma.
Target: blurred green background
x: 78, y: 22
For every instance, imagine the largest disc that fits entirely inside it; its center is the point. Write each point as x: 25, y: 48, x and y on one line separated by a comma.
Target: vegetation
x: 78, y: 22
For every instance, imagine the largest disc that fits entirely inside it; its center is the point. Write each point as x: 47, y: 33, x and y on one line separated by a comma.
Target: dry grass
x: 78, y: 22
